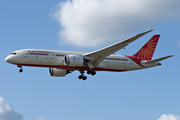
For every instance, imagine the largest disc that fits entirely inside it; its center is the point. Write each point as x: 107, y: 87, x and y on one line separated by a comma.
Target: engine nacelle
x: 74, y: 60
x: 58, y: 72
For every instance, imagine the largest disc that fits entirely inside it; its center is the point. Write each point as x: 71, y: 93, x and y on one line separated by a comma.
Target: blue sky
x: 149, y: 94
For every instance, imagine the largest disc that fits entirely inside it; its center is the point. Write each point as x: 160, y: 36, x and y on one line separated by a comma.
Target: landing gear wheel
x: 93, y: 73
x: 82, y: 77
x: 89, y: 72
x: 21, y: 70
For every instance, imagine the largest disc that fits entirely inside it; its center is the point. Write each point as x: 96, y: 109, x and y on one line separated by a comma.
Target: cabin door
x: 25, y: 54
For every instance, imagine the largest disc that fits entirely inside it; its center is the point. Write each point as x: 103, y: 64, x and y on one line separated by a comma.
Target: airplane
x: 61, y: 63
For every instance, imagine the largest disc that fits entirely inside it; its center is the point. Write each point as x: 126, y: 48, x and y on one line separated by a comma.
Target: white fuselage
x: 61, y: 63
x: 55, y: 59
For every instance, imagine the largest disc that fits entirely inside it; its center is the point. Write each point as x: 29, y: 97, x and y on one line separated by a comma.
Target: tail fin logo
x: 147, y: 51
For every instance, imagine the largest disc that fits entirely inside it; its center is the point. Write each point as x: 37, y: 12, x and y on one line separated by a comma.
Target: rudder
x: 147, y: 51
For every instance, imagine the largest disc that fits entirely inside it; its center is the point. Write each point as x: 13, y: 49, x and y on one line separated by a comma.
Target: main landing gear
x: 20, y: 70
x: 91, y: 72
x: 83, y: 77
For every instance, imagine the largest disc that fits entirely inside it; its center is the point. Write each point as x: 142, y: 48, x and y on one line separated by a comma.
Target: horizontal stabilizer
x: 158, y: 59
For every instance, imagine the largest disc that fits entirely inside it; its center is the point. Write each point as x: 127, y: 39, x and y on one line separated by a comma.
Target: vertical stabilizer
x: 147, y: 51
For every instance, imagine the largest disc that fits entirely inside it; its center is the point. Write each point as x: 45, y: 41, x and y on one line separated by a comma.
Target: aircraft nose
x: 7, y: 59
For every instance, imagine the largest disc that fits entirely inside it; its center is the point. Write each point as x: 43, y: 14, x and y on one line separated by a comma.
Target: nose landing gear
x: 20, y: 70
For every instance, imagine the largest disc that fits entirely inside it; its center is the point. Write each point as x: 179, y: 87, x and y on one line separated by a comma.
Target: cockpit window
x: 13, y: 53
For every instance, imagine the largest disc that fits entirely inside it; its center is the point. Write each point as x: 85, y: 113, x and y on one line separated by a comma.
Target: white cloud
x: 88, y: 23
x: 169, y: 117
x: 7, y: 113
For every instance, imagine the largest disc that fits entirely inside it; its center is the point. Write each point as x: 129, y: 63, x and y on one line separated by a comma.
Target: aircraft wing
x: 96, y: 57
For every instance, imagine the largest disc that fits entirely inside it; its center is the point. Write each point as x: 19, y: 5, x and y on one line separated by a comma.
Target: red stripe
x: 70, y: 67
x: 137, y: 60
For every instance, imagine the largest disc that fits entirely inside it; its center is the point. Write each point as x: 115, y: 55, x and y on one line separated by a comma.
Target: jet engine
x: 58, y: 72
x: 73, y: 60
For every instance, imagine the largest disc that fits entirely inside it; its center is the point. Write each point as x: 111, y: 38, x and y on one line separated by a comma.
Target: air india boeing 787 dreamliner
x: 61, y: 63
